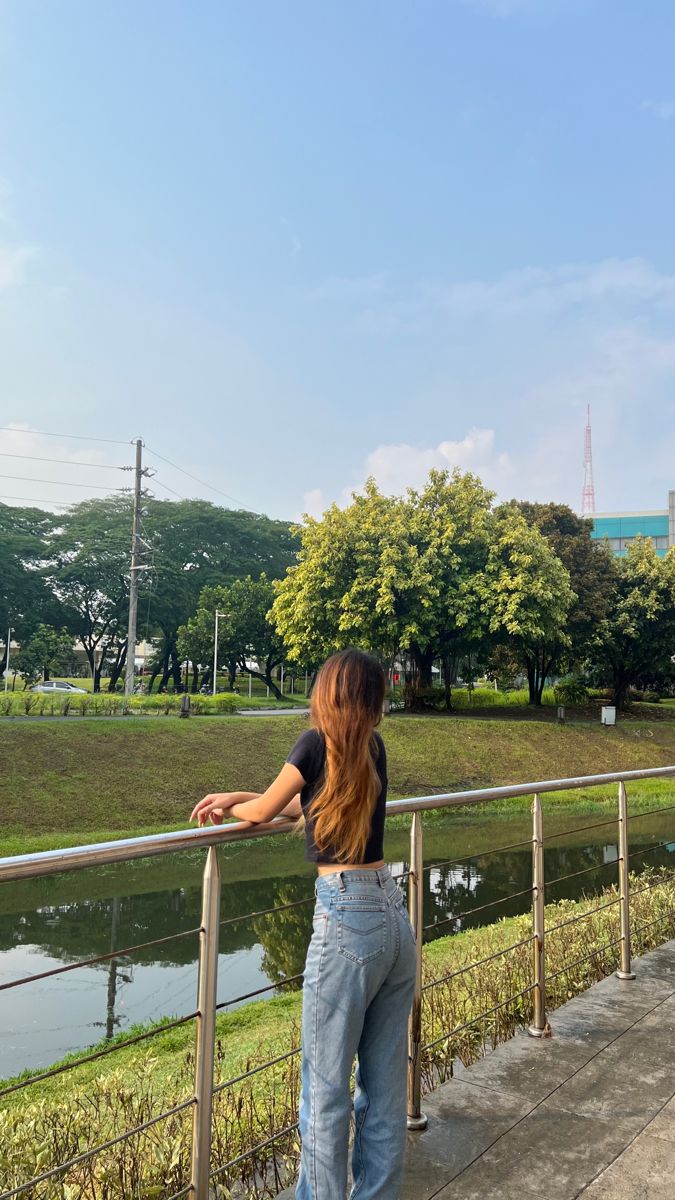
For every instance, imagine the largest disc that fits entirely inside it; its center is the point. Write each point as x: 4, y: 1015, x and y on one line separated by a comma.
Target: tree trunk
x: 45, y: 674
x: 166, y: 669
x: 424, y: 661
x: 117, y: 667
x: 195, y: 678
x: 268, y: 680
x: 232, y: 672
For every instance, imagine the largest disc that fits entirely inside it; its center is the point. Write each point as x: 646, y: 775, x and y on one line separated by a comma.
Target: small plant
x: 5, y: 704
x: 64, y: 707
x: 571, y: 689
x: 83, y: 703
x: 29, y: 702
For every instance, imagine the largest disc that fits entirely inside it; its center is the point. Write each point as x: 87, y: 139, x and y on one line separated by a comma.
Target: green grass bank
x: 62, y: 782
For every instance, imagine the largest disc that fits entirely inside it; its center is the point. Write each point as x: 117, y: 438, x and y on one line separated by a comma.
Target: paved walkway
x: 588, y: 1112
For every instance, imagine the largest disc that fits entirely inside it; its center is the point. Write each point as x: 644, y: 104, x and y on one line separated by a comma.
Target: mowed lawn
x: 90, y: 777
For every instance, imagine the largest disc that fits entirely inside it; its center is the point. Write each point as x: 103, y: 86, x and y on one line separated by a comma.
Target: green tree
x: 526, y: 595
x: 88, y: 572
x: 592, y: 571
x: 390, y: 573
x: 636, y: 639
x: 46, y: 650
x: 246, y: 636
x: 194, y: 544
x: 25, y: 597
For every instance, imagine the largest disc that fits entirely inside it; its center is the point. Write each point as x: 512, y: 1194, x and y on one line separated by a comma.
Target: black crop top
x: 309, y: 756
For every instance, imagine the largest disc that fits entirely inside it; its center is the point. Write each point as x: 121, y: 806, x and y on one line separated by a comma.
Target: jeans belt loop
x: 341, y: 881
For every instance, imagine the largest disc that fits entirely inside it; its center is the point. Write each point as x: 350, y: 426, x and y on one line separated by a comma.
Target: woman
x: 360, y: 968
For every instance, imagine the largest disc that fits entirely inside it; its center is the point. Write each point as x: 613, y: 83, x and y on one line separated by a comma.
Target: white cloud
x: 664, y: 110
x: 397, y: 467
x: 13, y: 260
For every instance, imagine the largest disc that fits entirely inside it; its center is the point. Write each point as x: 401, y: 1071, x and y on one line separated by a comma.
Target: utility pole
x: 215, y: 654
x: 9, y: 638
x: 135, y: 568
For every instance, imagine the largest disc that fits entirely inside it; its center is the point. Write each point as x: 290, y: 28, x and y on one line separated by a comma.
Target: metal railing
x: 31, y: 866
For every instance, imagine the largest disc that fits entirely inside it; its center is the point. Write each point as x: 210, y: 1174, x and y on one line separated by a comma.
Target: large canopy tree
x: 526, y: 595
x: 592, y: 572
x: 635, y: 642
x: 192, y: 545
x: 89, y: 572
x: 417, y: 573
x: 25, y: 598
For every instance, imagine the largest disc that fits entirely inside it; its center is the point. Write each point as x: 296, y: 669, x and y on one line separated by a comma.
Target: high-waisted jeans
x: 359, y: 981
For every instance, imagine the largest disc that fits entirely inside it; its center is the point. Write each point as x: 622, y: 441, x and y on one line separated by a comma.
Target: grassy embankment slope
x: 65, y: 783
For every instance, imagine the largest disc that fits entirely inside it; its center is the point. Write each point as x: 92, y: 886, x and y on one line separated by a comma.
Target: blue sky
x: 291, y: 244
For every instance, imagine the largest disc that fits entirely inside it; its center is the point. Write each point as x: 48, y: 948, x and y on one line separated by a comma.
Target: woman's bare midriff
x: 331, y: 868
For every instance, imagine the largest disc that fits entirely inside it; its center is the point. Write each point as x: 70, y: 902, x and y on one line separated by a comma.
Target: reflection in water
x: 41, y: 1022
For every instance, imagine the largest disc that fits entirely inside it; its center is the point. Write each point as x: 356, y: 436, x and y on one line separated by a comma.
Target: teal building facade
x: 620, y: 528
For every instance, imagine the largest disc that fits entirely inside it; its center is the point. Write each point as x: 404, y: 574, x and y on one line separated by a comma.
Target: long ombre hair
x: 346, y: 706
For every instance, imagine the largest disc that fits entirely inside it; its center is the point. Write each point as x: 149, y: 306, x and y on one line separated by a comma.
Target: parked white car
x: 58, y: 685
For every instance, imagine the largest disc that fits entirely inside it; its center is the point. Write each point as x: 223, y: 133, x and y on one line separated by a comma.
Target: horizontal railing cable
x: 650, y: 849
x: 452, y: 862
x: 578, y: 961
x: 652, y: 812
x: 470, y: 912
x: 263, y: 912
x: 81, y: 1158
x: 578, y: 829
x: 583, y: 871
x: 649, y: 887
x: 582, y: 916
x: 667, y: 916
x: 481, y: 1016
x: 87, y: 1058
x: 99, y: 958
x: 233, y: 1162
x: 480, y: 963
x: 271, y: 987
x: 272, y: 1062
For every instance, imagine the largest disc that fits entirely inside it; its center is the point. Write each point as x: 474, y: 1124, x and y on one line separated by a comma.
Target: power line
x: 156, y: 479
x: 80, y: 437
x: 202, y: 482
x: 99, y: 487
x: 67, y: 462
x: 40, y: 503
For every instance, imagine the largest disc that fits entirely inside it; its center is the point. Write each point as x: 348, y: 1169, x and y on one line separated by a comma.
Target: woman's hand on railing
x: 214, y: 806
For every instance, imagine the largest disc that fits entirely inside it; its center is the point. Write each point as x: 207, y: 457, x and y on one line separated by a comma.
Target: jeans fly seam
x: 312, y: 1117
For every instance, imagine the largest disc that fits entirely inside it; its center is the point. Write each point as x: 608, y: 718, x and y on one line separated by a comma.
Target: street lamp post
x: 10, y: 631
x: 215, y: 653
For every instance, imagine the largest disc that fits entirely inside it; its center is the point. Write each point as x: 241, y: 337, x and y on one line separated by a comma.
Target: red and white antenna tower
x: 588, y: 494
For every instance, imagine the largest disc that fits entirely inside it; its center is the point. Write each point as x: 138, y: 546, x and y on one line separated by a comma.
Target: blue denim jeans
x: 359, y: 980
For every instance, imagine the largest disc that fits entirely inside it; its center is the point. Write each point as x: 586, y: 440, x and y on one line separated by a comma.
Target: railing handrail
x: 52, y: 862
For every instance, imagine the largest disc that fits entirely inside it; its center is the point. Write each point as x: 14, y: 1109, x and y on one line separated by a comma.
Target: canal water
x: 55, y: 922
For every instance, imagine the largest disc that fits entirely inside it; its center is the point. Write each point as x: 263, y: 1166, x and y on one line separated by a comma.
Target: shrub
x: 571, y: 689
x: 29, y: 702
x: 5, y: 704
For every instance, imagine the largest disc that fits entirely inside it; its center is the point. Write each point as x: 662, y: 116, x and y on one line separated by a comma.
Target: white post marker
x: 250, y: 683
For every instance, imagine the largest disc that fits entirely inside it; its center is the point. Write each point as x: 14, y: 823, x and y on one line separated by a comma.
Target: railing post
x: 539, y: 1026
x: 206, y: 1028
x: 416, y: 1118
x: 624, y: 971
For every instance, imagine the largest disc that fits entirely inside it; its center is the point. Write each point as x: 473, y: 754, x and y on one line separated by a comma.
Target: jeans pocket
x: 361, y: 930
